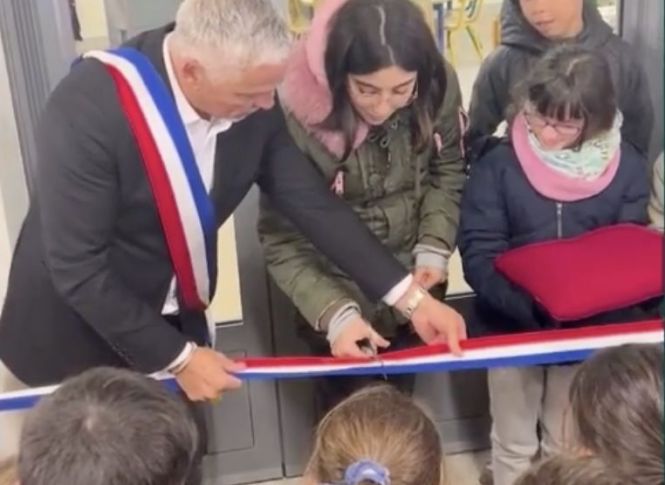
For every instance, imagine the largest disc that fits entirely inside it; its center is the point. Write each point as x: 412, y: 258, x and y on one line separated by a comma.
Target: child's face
x: 378, y: 95
x: 554, y: 134
x: 554, y: 19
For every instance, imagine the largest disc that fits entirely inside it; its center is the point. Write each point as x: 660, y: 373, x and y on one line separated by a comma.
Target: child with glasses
x: 372, y: 103
x: 528, y: 29
x: 563, y: 171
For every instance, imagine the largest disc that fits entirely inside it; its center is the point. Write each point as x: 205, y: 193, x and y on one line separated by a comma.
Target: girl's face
x: 377, y: 96
x: 554, y: 134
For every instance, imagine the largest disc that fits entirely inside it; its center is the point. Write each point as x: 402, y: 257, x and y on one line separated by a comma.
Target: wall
x: 13, y: 191
x: 92, y: 16
x: 226, y: 306
x: 643, y: 28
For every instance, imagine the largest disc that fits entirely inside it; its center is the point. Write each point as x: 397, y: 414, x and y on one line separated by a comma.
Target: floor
x: 462, y: 469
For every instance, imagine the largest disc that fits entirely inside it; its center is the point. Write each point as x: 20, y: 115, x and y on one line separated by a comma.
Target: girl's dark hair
x: 369, y: 35
x: 616, y: 401
x: 571, y: 82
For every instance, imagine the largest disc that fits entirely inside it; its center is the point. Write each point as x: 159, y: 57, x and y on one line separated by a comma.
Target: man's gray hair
x: 240, y: 32
x: 108, y: 427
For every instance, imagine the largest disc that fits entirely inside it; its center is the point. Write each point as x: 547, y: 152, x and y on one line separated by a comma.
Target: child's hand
x: 347, y: 343
x: 427, y: 276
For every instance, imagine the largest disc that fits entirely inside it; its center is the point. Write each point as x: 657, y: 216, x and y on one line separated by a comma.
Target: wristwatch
x: 413, y: 302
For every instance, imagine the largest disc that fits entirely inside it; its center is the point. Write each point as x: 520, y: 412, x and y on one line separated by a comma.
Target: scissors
x: 368, y: 348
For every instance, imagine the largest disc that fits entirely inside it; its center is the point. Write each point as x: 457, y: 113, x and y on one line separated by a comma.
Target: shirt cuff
x: 341, y: 320
x: 432, y: 260
x: 182, y: 357
x: 398, y: 291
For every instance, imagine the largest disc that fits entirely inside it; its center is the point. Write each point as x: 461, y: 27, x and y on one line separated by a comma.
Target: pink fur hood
x: 305, y: 93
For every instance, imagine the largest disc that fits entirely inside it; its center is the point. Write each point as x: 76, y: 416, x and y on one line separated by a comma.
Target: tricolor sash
x: 516, y: 350
x: 185, y: 211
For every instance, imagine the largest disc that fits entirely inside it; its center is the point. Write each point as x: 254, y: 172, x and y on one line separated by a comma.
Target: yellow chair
x: 426, y: 7
x: 462, y: 16
x: 301, y: 11
x: 300, y: 15
x: 496, y: 32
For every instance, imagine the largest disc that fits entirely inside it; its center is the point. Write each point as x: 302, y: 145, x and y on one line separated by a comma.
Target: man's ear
x: 192, y: 73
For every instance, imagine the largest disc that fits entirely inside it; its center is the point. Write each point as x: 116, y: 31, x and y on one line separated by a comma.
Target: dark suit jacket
x: 91, y: 268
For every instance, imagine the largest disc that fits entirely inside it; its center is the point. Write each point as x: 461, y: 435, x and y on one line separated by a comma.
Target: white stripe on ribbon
x: 173, y: 164
x: 480, y: 358
x: 477, y: 355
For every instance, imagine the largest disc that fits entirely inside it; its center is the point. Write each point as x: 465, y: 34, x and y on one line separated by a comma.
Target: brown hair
x: 385, y: 426
x: 369, y: 35
x: 570, y: 82
x: 8, y: 472
x: 570, y: 470
x: 617, y: 410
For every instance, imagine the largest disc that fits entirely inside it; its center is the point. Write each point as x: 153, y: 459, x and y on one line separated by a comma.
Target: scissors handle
x: 370, y: 349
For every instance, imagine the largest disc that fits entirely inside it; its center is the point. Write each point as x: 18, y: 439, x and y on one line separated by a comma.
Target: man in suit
x: 91, y: 281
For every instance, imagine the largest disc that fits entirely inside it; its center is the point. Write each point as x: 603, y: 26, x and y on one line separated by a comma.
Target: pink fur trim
x: 305, y: 92
x: 317, y: 38
x: 551, y: 183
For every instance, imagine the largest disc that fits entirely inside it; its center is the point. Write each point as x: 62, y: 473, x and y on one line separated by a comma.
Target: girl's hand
x: 427, y: 276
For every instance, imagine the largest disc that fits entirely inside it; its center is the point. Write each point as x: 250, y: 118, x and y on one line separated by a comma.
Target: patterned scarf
x: 588, y: 162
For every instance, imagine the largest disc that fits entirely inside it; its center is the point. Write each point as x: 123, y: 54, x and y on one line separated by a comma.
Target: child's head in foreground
x: 569, y: 470
x: 377, y: 436
x: 617, y: 404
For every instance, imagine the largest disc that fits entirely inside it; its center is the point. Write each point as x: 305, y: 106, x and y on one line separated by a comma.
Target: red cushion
x: 603, y: 270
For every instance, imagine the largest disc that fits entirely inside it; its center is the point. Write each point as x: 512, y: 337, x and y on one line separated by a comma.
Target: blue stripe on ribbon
x: 19, y: 403
x: 29, y: 400
x: 455, y: 365
x: 169, y: 111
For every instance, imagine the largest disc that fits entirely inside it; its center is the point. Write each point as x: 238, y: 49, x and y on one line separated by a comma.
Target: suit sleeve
x: 484, y: 235
x: 79, y: 202
x: 298, y: 192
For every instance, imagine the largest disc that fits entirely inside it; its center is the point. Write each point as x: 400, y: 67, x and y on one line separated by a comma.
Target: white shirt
x: 202, y: 136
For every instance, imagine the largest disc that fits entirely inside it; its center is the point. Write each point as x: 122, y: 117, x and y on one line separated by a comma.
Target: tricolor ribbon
x: 514, y: 350
x: 186, y: 213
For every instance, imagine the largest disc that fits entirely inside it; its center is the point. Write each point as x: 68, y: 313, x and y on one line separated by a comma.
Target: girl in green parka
x: 371, y: 102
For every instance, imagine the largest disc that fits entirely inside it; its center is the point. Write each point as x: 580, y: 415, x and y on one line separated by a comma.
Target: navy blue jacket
x: 502, y: 211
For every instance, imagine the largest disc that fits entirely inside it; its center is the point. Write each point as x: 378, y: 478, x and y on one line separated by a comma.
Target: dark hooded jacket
x: 521, y: 45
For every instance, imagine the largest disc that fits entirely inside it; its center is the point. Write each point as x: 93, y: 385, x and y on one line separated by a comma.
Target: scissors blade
x: 370, y: 349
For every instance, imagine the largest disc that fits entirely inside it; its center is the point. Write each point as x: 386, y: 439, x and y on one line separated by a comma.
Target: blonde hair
x: 570, y: 470
x: 8, y: 472
x: 616, y: 401
x: 383, y: 426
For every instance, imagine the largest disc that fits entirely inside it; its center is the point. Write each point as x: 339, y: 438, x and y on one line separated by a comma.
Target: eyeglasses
x: 539, y: 122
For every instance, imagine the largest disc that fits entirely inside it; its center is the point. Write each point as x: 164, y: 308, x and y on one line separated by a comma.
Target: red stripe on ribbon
x: 480, y: 343
x: 162, y: 191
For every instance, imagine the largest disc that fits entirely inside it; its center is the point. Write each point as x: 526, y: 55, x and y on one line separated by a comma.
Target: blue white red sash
x: 549, y: 347
x: 186, y: 213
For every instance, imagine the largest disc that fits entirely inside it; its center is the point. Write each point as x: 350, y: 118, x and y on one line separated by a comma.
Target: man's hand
x: 435, y: 322
x: 427, y: 276
x: 207, y: 375
x: 346, y: 343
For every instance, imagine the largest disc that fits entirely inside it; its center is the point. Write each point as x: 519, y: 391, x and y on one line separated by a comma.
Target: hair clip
x: 366, y: 470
